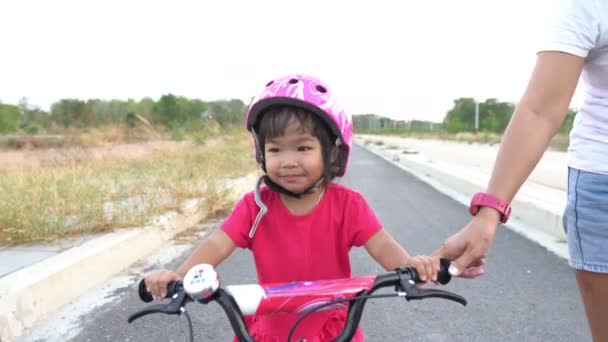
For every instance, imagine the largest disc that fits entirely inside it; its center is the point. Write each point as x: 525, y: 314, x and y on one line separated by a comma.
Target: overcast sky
x: 402, y: 59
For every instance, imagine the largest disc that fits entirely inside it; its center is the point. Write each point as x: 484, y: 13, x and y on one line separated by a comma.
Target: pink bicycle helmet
x: 311, y: 94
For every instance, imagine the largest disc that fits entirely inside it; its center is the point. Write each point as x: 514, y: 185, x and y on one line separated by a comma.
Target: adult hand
x: 469, y: 246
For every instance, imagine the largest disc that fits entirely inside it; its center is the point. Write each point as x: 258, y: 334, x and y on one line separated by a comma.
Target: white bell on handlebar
x: 201, y: 281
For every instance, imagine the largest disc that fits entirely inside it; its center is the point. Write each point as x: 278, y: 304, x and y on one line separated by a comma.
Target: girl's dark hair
x: 274, y: 122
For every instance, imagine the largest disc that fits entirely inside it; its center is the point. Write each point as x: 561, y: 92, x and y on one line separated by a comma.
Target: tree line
x: 177, y: 111
x: 493, y: 117
x: 169, y: 111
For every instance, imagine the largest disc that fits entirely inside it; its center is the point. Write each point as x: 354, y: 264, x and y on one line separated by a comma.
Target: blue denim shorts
x: 586, y: 220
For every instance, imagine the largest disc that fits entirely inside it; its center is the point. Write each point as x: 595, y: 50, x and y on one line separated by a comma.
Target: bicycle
x: 201, y: 284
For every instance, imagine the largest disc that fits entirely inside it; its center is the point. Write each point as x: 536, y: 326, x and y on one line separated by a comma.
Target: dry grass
x: 73, y: 137
x: 112, y: 134
x: 91, y: 195
x: 100, y: 136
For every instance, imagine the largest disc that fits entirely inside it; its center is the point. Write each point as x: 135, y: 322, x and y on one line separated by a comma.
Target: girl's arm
x: 212, y: 251
x: 391, y: 255
x: 386, y: 251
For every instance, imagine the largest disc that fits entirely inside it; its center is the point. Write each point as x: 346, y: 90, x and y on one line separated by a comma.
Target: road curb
x: 538, y: 221
x: 32, y: 293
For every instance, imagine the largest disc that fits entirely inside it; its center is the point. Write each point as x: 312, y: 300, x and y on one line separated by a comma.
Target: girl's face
x: 294, y: 160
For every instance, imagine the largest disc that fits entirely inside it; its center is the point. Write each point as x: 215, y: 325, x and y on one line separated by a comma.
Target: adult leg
x: 594, y: 293
x: 585, y: 220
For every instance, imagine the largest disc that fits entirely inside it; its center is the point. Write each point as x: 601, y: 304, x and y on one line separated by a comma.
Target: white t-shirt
x: 581, y: 28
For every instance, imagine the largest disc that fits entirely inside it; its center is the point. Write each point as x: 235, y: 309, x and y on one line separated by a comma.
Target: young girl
x: 301, y: 225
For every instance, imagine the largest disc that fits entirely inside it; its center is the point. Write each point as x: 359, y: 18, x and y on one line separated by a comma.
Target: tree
x: 32, y: 118
x: 454, y: 124
x: 9, y: 118
x: 69, y: 113
x: 228, y: 113
x: 568, y: 122
x: 145, y: 107
x: 462, y: 116
x: 494, y: 116
x: 489, y: 123
x: 166, y: 110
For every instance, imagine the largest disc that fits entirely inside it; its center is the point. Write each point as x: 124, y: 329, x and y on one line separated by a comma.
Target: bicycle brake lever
x: 174, y: 307
x: 414, y: 293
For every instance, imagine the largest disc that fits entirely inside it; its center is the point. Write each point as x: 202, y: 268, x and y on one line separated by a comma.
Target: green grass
x: 99, y: 195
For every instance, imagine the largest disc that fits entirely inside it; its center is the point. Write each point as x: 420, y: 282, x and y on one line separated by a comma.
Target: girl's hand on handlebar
x: 427, y: 267
x: 156, y: 282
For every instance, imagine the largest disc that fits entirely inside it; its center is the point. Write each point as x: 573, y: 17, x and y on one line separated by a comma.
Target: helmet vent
x: 293, y: 81
x: 269, y: 83
x: 321, y: 88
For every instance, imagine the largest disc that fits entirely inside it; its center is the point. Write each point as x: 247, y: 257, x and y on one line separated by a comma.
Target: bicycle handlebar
x: 267, y: 298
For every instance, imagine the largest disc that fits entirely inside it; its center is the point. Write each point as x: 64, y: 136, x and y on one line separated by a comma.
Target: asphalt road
x: 527, y: 293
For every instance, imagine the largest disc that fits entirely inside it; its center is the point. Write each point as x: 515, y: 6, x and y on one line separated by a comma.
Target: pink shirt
x: 288, y: 247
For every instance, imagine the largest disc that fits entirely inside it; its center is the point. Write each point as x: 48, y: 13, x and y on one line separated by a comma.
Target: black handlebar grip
x: 444, y: 276
x: 145, y: 295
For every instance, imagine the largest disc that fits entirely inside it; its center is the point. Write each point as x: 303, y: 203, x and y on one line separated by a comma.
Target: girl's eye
x: 304, y: 148
x: 272, y: 149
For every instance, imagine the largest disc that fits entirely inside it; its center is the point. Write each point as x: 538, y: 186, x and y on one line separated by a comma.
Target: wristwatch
x: 481, y: 199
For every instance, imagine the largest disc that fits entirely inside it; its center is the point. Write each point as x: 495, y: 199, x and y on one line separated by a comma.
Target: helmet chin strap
x: 275, y: 187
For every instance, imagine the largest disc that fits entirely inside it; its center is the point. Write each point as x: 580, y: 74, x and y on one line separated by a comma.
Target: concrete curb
x: 537, y: 217
x: 34, y: 292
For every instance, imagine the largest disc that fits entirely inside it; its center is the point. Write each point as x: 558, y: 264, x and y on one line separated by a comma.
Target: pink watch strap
x: 482, y: 199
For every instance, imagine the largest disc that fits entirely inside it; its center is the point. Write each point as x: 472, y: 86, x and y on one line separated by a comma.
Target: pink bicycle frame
x: 297, y: 297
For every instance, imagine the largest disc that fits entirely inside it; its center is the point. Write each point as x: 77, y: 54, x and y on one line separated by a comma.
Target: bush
x: 9, y: 118
x: 32, y: 129
x: 177, y: 132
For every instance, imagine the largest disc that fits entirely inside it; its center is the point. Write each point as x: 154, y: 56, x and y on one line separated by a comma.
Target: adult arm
x: 536, y: 119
